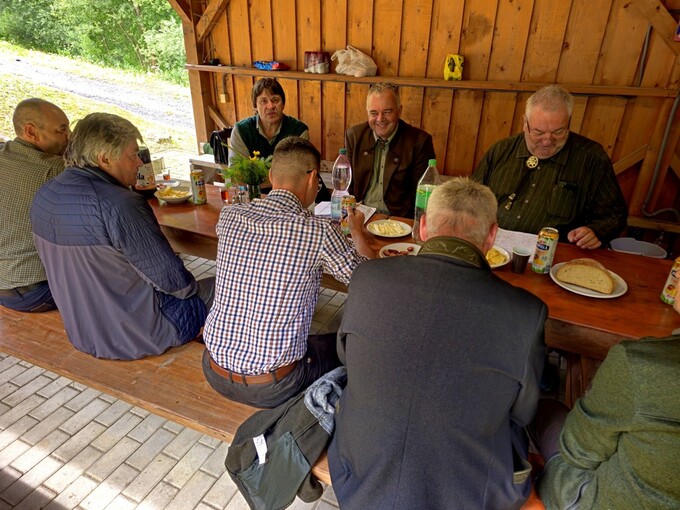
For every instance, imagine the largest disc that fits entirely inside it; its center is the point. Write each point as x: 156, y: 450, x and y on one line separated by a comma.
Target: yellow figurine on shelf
x: 453, y: 68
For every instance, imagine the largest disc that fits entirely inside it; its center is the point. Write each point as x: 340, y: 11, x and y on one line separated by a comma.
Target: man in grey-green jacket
x: 620, y: 445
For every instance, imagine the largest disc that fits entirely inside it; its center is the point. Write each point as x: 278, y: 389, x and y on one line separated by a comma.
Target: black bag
x: 219, y: 143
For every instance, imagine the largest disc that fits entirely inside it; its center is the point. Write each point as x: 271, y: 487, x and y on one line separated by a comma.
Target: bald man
x: 26, y: 163
x: 271, y: 255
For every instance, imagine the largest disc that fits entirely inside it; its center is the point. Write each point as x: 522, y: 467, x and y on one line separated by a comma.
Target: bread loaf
x: 587, y: 273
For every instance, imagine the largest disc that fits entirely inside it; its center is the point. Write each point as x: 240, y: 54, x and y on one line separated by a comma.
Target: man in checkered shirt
x: 26, y: 163
x: 271, y: 255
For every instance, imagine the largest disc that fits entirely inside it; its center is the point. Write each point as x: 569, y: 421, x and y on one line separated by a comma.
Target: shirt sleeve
x: 236, y: 145
x: 339, y: 256
x: 134, y: 231
x: 607, y: 213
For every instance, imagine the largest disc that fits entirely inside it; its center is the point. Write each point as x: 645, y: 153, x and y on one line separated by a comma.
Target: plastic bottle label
x: 423, y: 195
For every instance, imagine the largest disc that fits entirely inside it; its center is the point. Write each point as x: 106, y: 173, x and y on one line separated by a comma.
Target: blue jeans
x: 36, y: 300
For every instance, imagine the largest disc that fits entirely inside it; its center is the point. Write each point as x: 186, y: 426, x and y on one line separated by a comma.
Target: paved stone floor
x: 64, y: 445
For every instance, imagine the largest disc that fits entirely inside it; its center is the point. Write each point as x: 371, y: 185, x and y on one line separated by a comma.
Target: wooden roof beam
x: 182, y: 8
x: 209, y: 18
x: 662, y: 21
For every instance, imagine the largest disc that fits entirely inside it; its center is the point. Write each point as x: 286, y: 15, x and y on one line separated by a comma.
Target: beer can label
x: 546, y: 245
x: 198, y: 195
x: 348, y: 201
x: 670, y: 288
x: 146, y: 178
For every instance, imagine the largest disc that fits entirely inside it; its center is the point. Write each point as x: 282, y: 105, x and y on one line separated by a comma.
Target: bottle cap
x: 432, y: 162
x: 343, y: 151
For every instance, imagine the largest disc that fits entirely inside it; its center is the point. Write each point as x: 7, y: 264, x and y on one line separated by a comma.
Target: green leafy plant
x: 252, y: 171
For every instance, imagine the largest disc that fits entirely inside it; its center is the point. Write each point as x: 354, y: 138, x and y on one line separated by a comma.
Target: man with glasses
x: 26, y: 163
x: 549, y: 177
x: 271, y: 255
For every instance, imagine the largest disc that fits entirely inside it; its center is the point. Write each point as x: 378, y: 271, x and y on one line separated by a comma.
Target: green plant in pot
x: 252, y: 171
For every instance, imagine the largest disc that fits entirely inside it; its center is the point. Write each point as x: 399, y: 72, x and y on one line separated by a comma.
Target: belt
x: 20, y: 290
x: 270, y: 377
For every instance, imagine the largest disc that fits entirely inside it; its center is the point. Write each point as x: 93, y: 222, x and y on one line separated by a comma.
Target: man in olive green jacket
x: 620, y: 445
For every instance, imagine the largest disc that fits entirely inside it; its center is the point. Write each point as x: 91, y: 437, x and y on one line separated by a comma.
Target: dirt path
x: 164, y: 104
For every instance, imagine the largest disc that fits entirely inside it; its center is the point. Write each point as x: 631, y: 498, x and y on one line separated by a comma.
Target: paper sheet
x: 510, y: 239
x: 324, y: 209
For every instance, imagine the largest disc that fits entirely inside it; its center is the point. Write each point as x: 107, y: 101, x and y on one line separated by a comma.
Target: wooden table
x: 583, y: 328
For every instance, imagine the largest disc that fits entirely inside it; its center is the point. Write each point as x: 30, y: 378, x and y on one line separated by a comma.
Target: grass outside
x: 158, y: 137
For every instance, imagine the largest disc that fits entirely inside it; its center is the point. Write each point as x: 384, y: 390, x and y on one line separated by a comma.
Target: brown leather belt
x: 270, y: 377
x: 20, y: 290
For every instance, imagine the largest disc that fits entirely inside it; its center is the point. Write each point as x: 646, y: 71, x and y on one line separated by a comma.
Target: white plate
x: 405, y: 228
x: 503, y: 252
x: 172, y: 183
x: 620, y: 286
x: 175, y: 200
x: 399, y: 247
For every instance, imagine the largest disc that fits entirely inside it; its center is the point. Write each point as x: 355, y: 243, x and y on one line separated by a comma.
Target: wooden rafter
x: 182, y: 9
x: 208, y: 19
x: 630, y: 159
x: 661, y: 20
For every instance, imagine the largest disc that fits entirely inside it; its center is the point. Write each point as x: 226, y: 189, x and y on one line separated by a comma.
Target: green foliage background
x: 140, y: 35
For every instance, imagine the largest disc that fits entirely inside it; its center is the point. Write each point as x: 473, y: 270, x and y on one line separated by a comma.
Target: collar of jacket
x: 455, y: 248
x: 95, y: 171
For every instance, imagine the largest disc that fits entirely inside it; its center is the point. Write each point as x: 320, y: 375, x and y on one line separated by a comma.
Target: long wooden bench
x: 171, y: 385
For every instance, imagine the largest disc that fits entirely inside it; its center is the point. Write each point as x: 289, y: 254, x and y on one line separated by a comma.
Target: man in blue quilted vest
x: 121, y: 290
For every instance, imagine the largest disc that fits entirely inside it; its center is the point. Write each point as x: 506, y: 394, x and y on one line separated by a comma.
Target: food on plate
x: 389, y: 228
x: 172, y: 193
x: 494, y: 257
x: 389, y: 252
x: 587, y: 273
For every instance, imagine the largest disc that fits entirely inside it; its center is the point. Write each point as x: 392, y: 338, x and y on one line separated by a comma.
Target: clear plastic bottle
x: 342, y: 177
x: 426, y: 185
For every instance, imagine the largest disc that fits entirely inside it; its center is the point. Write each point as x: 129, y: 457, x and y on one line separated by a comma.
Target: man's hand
x: 584, y: 238
x: 355, y: 218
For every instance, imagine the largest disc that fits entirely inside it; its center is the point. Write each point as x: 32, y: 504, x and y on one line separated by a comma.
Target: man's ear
x: 490, y: 238
x: 31, y: 132
x: 103, y: 161
x: 423, y: 227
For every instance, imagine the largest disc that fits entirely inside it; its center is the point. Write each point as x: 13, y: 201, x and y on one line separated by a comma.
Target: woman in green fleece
x: 620, y: 445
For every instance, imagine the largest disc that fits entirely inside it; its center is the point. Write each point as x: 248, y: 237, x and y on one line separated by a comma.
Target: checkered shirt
x: 271, y: 255
x: 23, y: 170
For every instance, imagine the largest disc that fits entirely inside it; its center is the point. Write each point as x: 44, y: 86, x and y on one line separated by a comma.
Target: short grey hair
x: 461, y: 208
x: 31, y: 111
x: 100, y: 133
x: 550, y: 98
x: 382, y: 87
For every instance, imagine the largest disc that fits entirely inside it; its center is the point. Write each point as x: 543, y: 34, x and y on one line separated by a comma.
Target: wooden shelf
x: 487, y: 86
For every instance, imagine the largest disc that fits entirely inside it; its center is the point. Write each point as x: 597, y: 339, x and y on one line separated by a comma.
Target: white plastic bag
x: 354, y: 62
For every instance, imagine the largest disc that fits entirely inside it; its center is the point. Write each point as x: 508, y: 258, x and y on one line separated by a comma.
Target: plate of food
x: 497, y: 257
x: 173, y: 195
x: 389, y: 228
x: 399, y: 249
x: 589, y: 278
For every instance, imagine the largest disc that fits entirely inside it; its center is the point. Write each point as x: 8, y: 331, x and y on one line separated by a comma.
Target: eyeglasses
x: 556, y: 134
x: 318, y: 176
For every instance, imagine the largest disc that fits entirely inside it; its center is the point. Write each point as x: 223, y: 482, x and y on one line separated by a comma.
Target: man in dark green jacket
x: 620, y: 445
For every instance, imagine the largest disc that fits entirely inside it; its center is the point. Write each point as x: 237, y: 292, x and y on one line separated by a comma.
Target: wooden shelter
x: 618, y: 57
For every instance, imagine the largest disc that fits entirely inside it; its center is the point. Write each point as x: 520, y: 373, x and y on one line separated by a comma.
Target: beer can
x: 546, y: 244
x: 347, y: 202
x: 198, y: 195
x: 671, y: 286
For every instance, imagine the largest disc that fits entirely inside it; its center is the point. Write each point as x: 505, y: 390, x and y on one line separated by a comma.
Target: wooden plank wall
x: 573, y: 42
